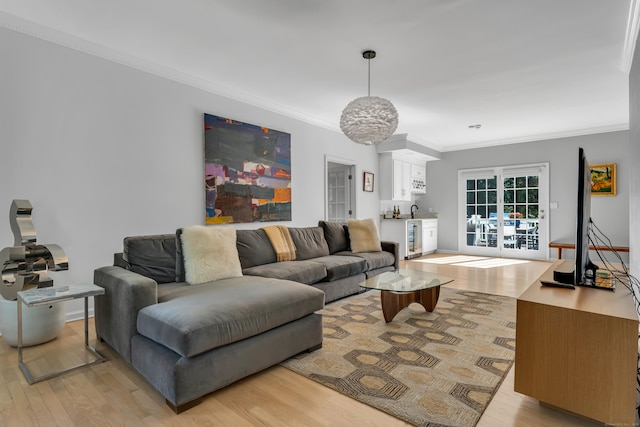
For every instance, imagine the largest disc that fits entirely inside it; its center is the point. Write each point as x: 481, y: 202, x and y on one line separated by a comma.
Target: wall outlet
x: 553, y: 205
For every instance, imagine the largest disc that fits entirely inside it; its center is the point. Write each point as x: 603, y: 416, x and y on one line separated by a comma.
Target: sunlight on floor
x: 473, y: 261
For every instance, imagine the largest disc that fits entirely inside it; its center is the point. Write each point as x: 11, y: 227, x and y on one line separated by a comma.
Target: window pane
x: 533, y: 196
x: 482, y: 184
x: 533, y: 181
x: 533, y: 211
x: 493, y: 240
x: 471, y: 197
x: 521, y: 211
x: 492, y: 196
x: 471, y: 210
x: 521, y: 196
x: 508, y: 183
x: 509, y: 196
x: 492, y: 183
x: 482, y: 211
x: 471, y: 184
x: 521, y: 182
x: 482, y: 197
x: 471, y: 239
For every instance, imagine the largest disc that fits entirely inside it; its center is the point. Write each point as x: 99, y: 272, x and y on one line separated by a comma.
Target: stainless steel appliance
x: 414, y: 239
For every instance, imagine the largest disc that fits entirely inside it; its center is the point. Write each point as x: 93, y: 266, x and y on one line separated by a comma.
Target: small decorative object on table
x: 24, y: 266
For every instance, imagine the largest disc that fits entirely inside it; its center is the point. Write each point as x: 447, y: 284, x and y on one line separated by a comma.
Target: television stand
x: 560, y: 246
x: 578, y: 350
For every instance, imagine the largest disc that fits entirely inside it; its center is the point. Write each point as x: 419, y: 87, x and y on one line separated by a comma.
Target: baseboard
x: 74, y: 315
x: 77, y: 315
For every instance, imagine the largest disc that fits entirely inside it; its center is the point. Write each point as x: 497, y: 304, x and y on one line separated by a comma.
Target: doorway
x: 339, y: 189
x: 503, y: 211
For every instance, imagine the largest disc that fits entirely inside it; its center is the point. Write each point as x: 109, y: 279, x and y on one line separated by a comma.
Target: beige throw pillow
x: 364, y: 235
x: 210, y: 254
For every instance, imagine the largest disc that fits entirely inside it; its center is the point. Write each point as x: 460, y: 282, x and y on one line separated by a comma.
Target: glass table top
x: 405, y: 280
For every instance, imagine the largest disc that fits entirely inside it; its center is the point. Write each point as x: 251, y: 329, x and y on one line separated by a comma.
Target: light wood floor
x: 112, y: 394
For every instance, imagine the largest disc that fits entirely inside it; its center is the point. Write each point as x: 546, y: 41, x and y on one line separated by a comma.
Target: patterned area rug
x: 428, y: 369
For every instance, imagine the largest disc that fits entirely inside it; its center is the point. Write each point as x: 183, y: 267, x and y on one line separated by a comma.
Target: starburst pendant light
x: 369, y: 120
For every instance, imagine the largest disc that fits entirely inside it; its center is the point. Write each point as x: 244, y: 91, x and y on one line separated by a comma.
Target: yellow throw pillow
x: 210, y: 254
x: 364, y: 235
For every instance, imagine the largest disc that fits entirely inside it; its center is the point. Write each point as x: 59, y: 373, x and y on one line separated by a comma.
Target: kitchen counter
x: 408, y: 217
x: 397, y: 230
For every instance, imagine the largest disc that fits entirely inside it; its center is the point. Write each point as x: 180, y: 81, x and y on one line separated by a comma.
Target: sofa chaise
x: 188, y: 340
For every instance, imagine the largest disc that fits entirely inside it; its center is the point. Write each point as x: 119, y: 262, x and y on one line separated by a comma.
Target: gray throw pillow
x: 336, y: 236
x: 309, y: 241
x: 152, y: 256
x: 254, y: 248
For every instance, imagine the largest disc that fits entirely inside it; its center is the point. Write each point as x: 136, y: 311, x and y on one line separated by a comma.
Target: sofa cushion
x: 254, y: 248
x: 152, y: 256
x: 200, y: 318
x: 309, y: 242
x: 210, y: 254
x: 299, y: 271
x: 364, y: 236
x: 374, y: 259
x: 338, y: 266
x: 336, y: 236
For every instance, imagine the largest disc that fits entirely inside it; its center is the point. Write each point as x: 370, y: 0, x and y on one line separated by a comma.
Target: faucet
x: 413, y: 206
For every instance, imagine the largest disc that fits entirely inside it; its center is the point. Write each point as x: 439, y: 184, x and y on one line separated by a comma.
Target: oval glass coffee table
x: 402, y: 287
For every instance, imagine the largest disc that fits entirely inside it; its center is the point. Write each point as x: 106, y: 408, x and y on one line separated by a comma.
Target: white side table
x: 52, y: 295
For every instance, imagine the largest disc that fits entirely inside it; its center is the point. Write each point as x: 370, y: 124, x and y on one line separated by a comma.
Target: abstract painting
x: 247, y: 172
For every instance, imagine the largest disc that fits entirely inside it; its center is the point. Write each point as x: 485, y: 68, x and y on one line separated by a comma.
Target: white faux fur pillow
x: 210, y: 254
x: 364, y: 235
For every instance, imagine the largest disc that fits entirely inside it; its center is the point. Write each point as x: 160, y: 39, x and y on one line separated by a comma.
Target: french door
x: 503, y: 211
x: 339, y: 187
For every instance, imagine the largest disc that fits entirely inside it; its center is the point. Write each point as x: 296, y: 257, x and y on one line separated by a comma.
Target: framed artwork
x: 367, y: 182
x: 247, y: 172
x: 603, y: 179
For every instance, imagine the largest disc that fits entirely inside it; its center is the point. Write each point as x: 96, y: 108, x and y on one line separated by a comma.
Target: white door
x: 503, y: 211
x: 339, y: 190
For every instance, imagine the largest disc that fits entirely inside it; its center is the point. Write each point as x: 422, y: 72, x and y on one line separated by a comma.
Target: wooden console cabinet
x: 577, y: 350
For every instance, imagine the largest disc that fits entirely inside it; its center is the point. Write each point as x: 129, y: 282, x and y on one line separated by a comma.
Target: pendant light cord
x: 369, y: 78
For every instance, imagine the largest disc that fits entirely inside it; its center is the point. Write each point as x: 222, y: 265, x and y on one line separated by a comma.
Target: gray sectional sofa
x: 190, y: 340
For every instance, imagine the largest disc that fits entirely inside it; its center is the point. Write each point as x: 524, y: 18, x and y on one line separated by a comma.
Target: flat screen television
x: 585, y: 270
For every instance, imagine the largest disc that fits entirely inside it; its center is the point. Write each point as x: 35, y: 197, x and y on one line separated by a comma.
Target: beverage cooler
x: 414, y: 239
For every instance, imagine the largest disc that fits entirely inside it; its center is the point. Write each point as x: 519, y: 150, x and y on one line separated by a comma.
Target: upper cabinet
x: 418, y: 178
x: 403, y: 169
x: 397, y: 178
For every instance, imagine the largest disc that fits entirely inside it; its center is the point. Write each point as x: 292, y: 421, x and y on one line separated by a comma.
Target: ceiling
x: 523, y: 70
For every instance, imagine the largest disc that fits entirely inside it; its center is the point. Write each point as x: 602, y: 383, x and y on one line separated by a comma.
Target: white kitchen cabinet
x: 418, y: 178
x: 395, y: 178
x: 395, y: 230
x: 401, y: 180
x: 429, y: 235
x: 406, y: 232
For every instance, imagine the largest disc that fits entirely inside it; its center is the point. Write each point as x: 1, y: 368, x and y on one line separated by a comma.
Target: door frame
x: 352, y: 166
x: 543, y: 202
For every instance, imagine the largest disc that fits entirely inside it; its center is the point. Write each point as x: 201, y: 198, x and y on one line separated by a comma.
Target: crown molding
x: 48, y: 34
x: 539, y: 137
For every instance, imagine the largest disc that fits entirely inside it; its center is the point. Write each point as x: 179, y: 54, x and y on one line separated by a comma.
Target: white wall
x: 610, y: 213
x: 634, y: 157
x: 105, y: 151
